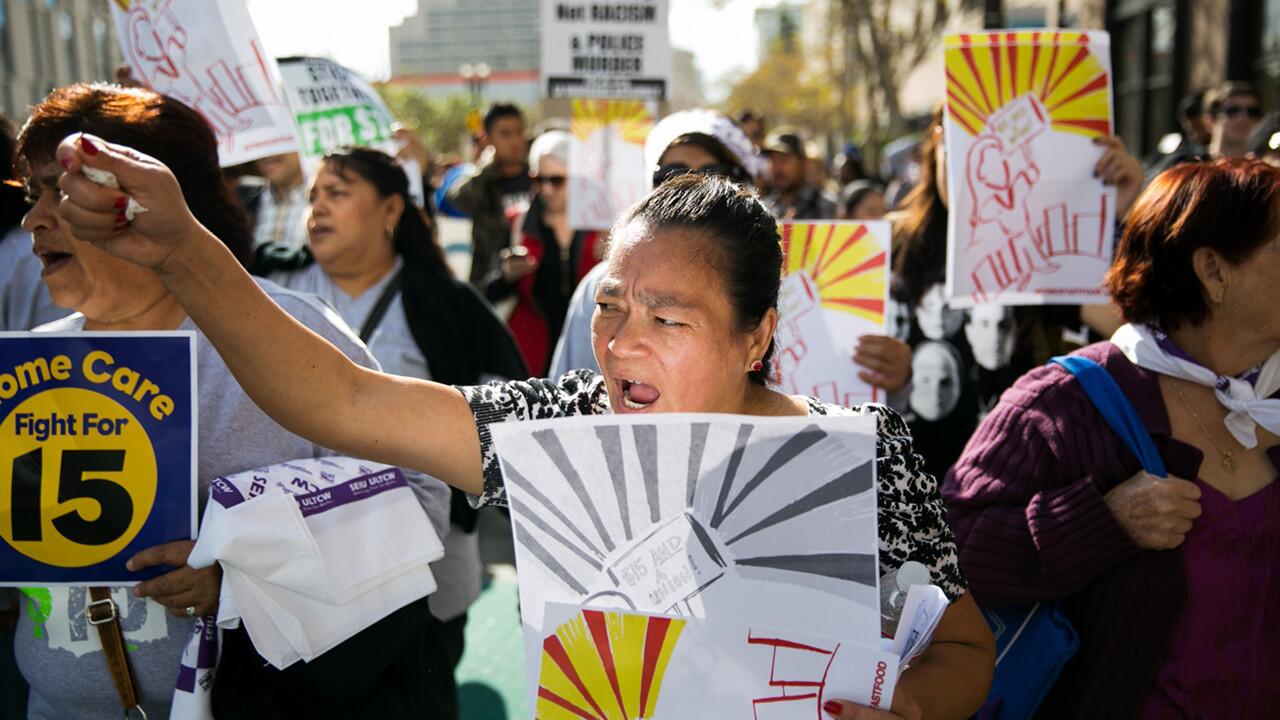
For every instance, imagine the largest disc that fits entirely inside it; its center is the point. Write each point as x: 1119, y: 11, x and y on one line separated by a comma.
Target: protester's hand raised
x: 1156, y: 512
x: 887, y: 361
x: 95, y: 213
x: 1117, y: 167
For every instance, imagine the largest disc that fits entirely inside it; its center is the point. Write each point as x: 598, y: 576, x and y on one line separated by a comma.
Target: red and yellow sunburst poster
x: 835, y: 286
x: 1029, y: 223
x: 606, y: 159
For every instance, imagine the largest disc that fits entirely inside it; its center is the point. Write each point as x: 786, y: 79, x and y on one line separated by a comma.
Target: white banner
x: 207, y: 54
x: 606, y: 50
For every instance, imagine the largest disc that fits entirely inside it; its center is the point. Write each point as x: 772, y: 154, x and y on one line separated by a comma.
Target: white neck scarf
x: 1246, y: 398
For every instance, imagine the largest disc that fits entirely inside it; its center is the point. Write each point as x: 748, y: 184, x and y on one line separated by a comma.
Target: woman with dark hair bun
x: 1178, y: 576
x: 60, y: 655
x: 377, y: 262
x: 684, y: 323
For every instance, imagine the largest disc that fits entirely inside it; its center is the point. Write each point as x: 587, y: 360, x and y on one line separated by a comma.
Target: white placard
x: 1029, y: 224
x: 207, y: 54
x: 606, y: 160
x: 606, y: 50
x: 764, y: 521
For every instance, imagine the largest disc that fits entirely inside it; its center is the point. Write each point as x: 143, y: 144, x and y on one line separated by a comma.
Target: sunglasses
x: 555, y: 181
x: 1253, y: 111
x: 666, y: 172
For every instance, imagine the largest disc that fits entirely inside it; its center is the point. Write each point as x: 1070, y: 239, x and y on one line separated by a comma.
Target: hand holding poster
x: 606, y: 160
x: 206, y: 53
x: 1028, y: 222
x: 834, y: 290
x: 97, y: 453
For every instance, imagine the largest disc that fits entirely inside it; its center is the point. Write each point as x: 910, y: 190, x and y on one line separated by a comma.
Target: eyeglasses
x: 555, y: 181
x: 1253, y: 111
x: 666, y: 172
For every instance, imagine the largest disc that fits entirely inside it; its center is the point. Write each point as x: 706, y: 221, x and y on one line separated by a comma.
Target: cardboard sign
x: 835, y: 288
x: 606, y: 50
x: 1029, y: 223
x: 606, y: 160
x: 97, y: 453
x: 207, y: 54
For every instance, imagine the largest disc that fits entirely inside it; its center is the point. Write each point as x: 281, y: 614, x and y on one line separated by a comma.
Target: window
x: 6, y: 54
x: 1145, y: 60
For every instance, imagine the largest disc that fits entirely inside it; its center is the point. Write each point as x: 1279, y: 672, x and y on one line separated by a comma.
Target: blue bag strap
x: 1116, y: 408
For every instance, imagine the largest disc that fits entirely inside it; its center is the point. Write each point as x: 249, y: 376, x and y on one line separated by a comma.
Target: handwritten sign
x: 97, y: 453
x: 606, y: 160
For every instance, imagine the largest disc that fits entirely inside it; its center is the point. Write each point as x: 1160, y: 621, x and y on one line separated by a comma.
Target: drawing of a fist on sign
x: 1000, y: 173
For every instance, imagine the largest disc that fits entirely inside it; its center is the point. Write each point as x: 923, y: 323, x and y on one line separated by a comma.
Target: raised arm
x: 293, y: 374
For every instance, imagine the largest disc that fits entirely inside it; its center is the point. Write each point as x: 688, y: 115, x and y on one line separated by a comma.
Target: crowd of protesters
x: 995, y: 469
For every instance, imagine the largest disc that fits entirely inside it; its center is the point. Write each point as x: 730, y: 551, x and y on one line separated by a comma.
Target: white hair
x: 552, y: 143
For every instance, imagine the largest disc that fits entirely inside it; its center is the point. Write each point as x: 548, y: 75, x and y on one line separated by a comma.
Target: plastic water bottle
x: 893, y: 593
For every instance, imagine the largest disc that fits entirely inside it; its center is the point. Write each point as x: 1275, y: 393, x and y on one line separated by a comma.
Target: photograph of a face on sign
x: 763, y: 521
x: 1029, y: 223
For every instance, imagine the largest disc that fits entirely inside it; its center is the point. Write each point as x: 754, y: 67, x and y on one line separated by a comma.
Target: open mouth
x: 52, y: 261
x: 637, y: 395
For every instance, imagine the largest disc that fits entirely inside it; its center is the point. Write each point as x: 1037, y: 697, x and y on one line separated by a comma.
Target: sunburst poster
x: 765, y: 521
x: 835, y: 287
x: 606, y: 159
x: 1029, y: 223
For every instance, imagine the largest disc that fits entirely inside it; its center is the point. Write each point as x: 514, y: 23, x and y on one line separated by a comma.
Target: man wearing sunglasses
x: 1234, y: 109
x: 793, y: 198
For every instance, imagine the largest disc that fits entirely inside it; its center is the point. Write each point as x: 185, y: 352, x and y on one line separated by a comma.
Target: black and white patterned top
x: 912, y: 521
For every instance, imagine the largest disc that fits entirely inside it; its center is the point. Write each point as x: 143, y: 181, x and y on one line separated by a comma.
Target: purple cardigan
x: 1025, y: 500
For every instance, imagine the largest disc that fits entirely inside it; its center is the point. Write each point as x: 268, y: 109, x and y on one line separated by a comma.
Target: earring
x: 757, y: 366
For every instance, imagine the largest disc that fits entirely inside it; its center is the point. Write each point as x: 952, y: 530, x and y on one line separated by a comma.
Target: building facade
x: 49, y: 43
x: 430, y: 48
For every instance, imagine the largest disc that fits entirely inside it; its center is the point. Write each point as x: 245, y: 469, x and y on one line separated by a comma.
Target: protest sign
x: 334, y: 107
x: 606, y: 160
x: 606, y: 50
x: 611, y: 664
x: 1029, y: 223
x: 763, y: 521
x: 207, y: 54
x: 97, y: 453
x: 834, y: 289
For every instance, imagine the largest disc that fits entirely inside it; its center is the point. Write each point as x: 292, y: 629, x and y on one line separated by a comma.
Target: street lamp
x: 475, y: 75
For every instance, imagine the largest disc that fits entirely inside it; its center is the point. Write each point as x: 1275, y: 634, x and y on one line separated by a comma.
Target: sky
x: 723, y: 41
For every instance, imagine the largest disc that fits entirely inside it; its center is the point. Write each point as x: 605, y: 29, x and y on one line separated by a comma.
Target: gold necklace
x: 1228, y: 459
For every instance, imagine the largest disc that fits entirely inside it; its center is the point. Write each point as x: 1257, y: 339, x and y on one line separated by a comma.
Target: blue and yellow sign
x: 97, y: 453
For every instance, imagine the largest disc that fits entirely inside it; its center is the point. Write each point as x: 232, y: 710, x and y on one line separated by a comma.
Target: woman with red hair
x: 1173, y: 583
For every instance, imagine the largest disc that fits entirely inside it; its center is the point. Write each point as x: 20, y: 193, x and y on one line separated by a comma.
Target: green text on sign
x: 327, y: 130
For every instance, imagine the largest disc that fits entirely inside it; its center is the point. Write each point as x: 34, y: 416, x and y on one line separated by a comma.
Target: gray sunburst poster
x: 763, y: 521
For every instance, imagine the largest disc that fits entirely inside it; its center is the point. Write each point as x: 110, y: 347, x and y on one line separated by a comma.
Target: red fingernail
x: 833, y: 707
x: 121, y: 218
x: 66, y: 163
x: 121, y: 202
x: 88, y: 147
